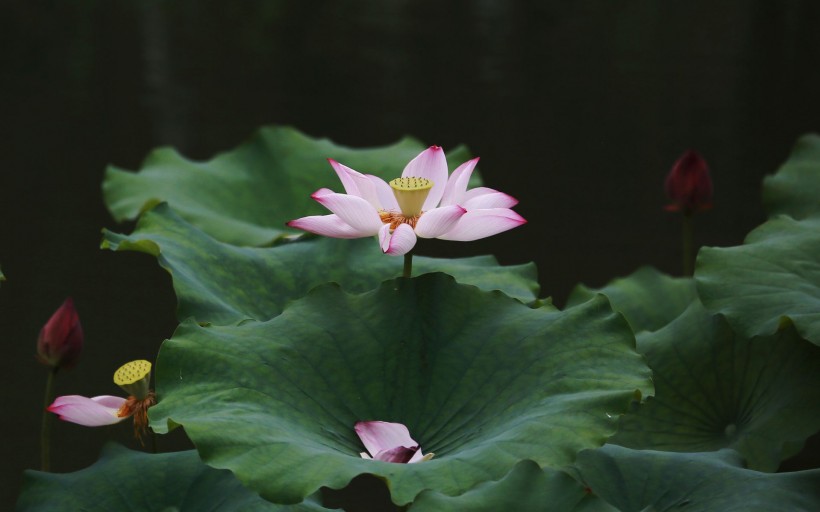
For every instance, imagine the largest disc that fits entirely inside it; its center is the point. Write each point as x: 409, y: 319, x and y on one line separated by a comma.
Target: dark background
x: 577, y: 108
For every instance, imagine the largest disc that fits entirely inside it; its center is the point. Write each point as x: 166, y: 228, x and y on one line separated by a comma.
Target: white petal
x: 483, y: 223
x: 430, y: 164
x: 457, y: 184
x: 354, y: 210
x: 327, y: 225
x: 439, y: 221
x: 400, y: 242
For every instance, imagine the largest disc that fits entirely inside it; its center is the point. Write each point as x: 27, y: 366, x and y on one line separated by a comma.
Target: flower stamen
x: 138, y: 408
x: 397, y: 218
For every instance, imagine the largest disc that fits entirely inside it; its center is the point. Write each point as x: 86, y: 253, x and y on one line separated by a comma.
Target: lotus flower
x: 423, y: 202
x: 389, y: 442
x: 61, y: 338
x: 689, y: 185
x: 102, y: 410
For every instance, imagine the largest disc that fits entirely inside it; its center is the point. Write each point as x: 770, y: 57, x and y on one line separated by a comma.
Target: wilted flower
x: 389, y: 442
x: 61, y: 338
x: 102, y: 410
x: 689, y: 185
x: 423, y: 202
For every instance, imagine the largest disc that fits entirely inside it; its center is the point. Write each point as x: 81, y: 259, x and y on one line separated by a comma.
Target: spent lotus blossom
x: 424, y: 202
x: 389, y: 442
x: 102, y: 410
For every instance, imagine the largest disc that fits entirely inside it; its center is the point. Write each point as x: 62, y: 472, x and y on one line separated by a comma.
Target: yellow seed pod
x: 411, y: 192
x: 411, y: 183
x: 134, y: 378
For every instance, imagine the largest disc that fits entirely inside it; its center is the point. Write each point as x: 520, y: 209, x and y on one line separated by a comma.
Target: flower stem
x: 688, y: 245
x: 408, y: 264
x: 45, y: 430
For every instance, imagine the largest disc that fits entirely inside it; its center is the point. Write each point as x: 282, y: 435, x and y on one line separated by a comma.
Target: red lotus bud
x: 688, y: 184
x: 61, y: 338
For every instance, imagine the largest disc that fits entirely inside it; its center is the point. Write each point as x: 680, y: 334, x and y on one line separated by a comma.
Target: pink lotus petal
x: 400, y: 242
x: 90, y: 412
x: 385, y: 194
x: 476, y: 192
x: 430, y: 164
x: 378, y: 436
x: 490, y: 200
x: 353, y: 210
x: 327, y: 225
x: 457, y: 184
x: 361, y: 185
x: 384, y: 237
x: 344, y: 174
x: 483, y: 223
x: 321, y: 192
x: 439, y: 221
x: 388, y: 442
x: 399, y: 454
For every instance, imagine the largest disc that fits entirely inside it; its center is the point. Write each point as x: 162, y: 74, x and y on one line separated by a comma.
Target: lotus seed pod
x: 134, y: 378
x: 411, y: 193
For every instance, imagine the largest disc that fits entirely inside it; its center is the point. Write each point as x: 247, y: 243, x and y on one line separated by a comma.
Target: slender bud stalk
x: 45, y: 429
x: 688, y: 245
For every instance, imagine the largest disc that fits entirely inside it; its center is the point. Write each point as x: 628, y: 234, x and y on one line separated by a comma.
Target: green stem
x: 408, y: 264
x: 45, y: 430
x: 153, y: 440
x: 688, y: 245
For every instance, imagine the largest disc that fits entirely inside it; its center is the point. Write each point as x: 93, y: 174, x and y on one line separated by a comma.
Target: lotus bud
x: 689, y: 185
x: 61, y: 338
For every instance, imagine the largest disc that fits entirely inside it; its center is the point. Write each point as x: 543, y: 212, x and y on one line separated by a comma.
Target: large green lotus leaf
x: 223, y: 283
x: 649, y: 299
x: 246, y: 195
x: 773, y: 277
x: 795, y: 189
x: 125, y: 480
x: 479, y: 378
x: 716, y: 389
x: 527, y: 488
x: 645, y: 480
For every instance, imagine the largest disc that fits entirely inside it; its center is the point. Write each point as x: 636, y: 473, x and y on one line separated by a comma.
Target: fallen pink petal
x: 389, y: 442
x: 90, y: 412
x: 423, y: 203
